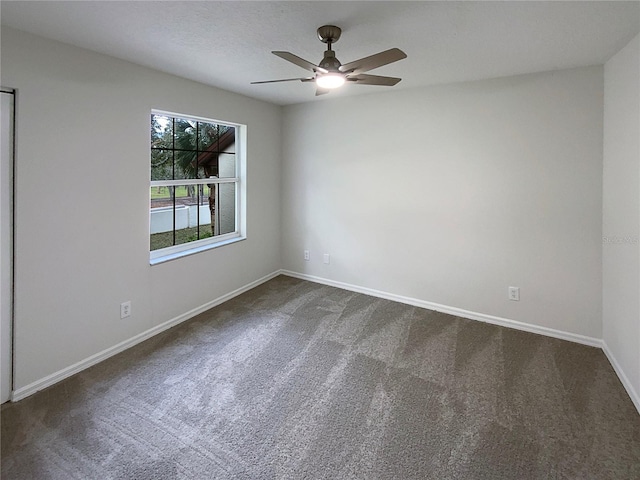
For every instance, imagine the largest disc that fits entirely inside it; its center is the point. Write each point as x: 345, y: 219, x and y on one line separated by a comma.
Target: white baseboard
x: 49, y: 380
x: 635, y: 398
x: 458, y: 312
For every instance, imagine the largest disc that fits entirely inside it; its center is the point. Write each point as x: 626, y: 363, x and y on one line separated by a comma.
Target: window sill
x: 194, y: 250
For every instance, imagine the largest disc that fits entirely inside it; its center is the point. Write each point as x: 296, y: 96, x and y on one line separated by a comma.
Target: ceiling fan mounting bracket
x: 329, y: 34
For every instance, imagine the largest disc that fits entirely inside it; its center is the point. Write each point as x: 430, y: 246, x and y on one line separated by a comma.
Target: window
x: 196, y: 185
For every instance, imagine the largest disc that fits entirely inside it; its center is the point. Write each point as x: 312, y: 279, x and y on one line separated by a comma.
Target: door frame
x: 7, y: 300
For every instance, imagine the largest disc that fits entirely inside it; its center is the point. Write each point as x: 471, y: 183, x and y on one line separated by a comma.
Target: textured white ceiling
x: 228, y: 44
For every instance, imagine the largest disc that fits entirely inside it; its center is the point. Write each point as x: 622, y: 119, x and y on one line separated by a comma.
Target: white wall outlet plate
x: 514, y: 293
x: 125, y: 309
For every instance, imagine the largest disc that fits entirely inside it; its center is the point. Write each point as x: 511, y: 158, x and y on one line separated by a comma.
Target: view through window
x: 194, y: 195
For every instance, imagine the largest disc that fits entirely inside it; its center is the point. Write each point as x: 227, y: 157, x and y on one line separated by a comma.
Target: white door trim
x: 7, y: 165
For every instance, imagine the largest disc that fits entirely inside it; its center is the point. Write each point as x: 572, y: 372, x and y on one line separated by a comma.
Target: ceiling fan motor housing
x: 330, y: 62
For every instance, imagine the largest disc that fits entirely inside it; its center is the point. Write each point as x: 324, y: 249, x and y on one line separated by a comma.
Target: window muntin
x: 195, y: 184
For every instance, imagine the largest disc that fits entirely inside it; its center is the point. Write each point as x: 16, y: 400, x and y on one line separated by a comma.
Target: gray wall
x: 621, y: 215
x: 450, y: 194
x: 83, y: 153
x: 445, y: 194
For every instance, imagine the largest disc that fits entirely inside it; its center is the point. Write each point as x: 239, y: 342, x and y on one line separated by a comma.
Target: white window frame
x: 177, y: 251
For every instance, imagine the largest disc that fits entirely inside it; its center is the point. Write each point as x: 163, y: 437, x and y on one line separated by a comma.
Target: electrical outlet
x: 307, y: 256
x: 125, y: 309
x: 514, y: 293
x: 326, y: 258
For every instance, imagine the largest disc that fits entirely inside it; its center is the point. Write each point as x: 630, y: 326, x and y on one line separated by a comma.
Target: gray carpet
x: 298, y: 380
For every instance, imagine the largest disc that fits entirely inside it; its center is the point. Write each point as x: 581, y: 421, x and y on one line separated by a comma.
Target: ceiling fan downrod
x: 329, y: 34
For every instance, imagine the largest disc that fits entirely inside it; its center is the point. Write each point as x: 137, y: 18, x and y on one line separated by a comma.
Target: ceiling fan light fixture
x: 330, y: 80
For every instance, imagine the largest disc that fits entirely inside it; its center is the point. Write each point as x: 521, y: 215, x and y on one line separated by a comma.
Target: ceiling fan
x: 330, y: 73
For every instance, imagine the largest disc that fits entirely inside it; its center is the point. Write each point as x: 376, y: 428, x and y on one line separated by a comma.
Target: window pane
x: 208, y: 136
x: 204, y: 213
x: 161, y: 165
x: 161, y: 226
x: 227, y: 208
x: 185, y: 134
x: 208, y: 165
x: 227, y: 139
x: 185, y: 165
x: 161, y: 131
x: 191, y: 234
x: 161, y: 196
x: 186, y: 195
x: 227, y: 165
